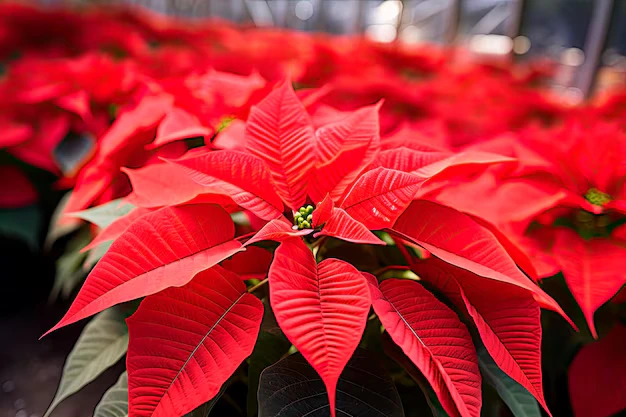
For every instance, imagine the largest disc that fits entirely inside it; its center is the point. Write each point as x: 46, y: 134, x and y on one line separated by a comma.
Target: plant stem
x: 260, y: 284
x: 405, y: 253
x: 319, y: 242
x: 246, y: 236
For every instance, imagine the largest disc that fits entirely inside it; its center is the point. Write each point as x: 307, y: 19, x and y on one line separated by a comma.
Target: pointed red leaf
x: 619, y: 233
x: 13, y: 133
x: 344, y: 149
x: 311, y: 96
x: 435, y: 340
x: 322, y: 308
x: 91, y: 183
x: 597, y: 376
x: 334, y: 176
x: 323, y: 114
x: 234, y: 88
x: 148, y: 113
x: 77, y: 102
x: 39, y: 149
x: 437, y: 174
x: 379, y: 196
x: 344, y: 227
x: 162, y: 184
x: 516, y: 201
x: 277, y: 230
x: 409, y: 160
x: 460, y: 163
x: 16, y: 189
x: 323, y: 211
x: 231, y: 137
x: 457, y: 239
x: 253, y: 263
x: 177, y: 125
x: 513, y: 247
x: 507, y: 319
x: 242, y: 177
x: 279, y: 131
x: 162, y: 249
x: 617, y: 205
x: 593, y: 270
x: 431, y: 135
x: 115, y: 229
x: 353, y: 130
x: 204, y: 330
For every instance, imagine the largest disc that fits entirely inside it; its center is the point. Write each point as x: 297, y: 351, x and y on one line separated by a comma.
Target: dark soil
x: 30, y: 369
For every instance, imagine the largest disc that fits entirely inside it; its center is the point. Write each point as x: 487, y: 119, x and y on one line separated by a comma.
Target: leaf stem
x: 246, y: 236
x: 260, y: 284
x: 319, y: 242
x: 405, y: 253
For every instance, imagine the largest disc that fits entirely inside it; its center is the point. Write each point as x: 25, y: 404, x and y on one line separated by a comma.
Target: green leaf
x: 114, y: 403
x: 23, y: 224
x: 267, y: 351
x: 57, y: 228
x: 104, y: 215
x: 519, y: 400
x: 102, y: 343
x: 96, y: 254
x: 69, y: 272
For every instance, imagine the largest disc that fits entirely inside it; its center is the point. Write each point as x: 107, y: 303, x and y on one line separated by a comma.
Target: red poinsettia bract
x: 197, y: 322
x: 564, y: 205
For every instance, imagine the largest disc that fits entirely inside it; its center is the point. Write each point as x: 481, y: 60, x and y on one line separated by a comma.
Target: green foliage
x: 114, y: 403
x: 23, y: 224
x: 519, y: 400
x: 69, y: 271
x: 104, y: 215
x: 102, y: 343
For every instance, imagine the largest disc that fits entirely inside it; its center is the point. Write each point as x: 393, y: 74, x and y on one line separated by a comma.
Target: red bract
x: 407, y: 310
x: 205, y: 237
x: 17, y: 190
x: 167, y: 250
x: 209, y: 328
x: 180, y: 109
x: 412, y: 179
x: 597, y: 376
x: 322, y: 308
x: 508, y: 323
x: 562, y: 205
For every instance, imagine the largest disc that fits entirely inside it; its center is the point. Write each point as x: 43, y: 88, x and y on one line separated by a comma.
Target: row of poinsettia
x: 213, y: 161
x: 197, y: 322
x: 61, y: 85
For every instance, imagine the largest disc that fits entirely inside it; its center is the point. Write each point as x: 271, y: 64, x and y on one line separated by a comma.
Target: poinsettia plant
x: 356, y: 250
x: 563, y: 205
x: 391, y: 225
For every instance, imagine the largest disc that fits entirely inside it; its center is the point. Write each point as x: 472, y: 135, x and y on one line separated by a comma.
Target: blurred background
x: 584, y: 39
x: 587, y: 38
